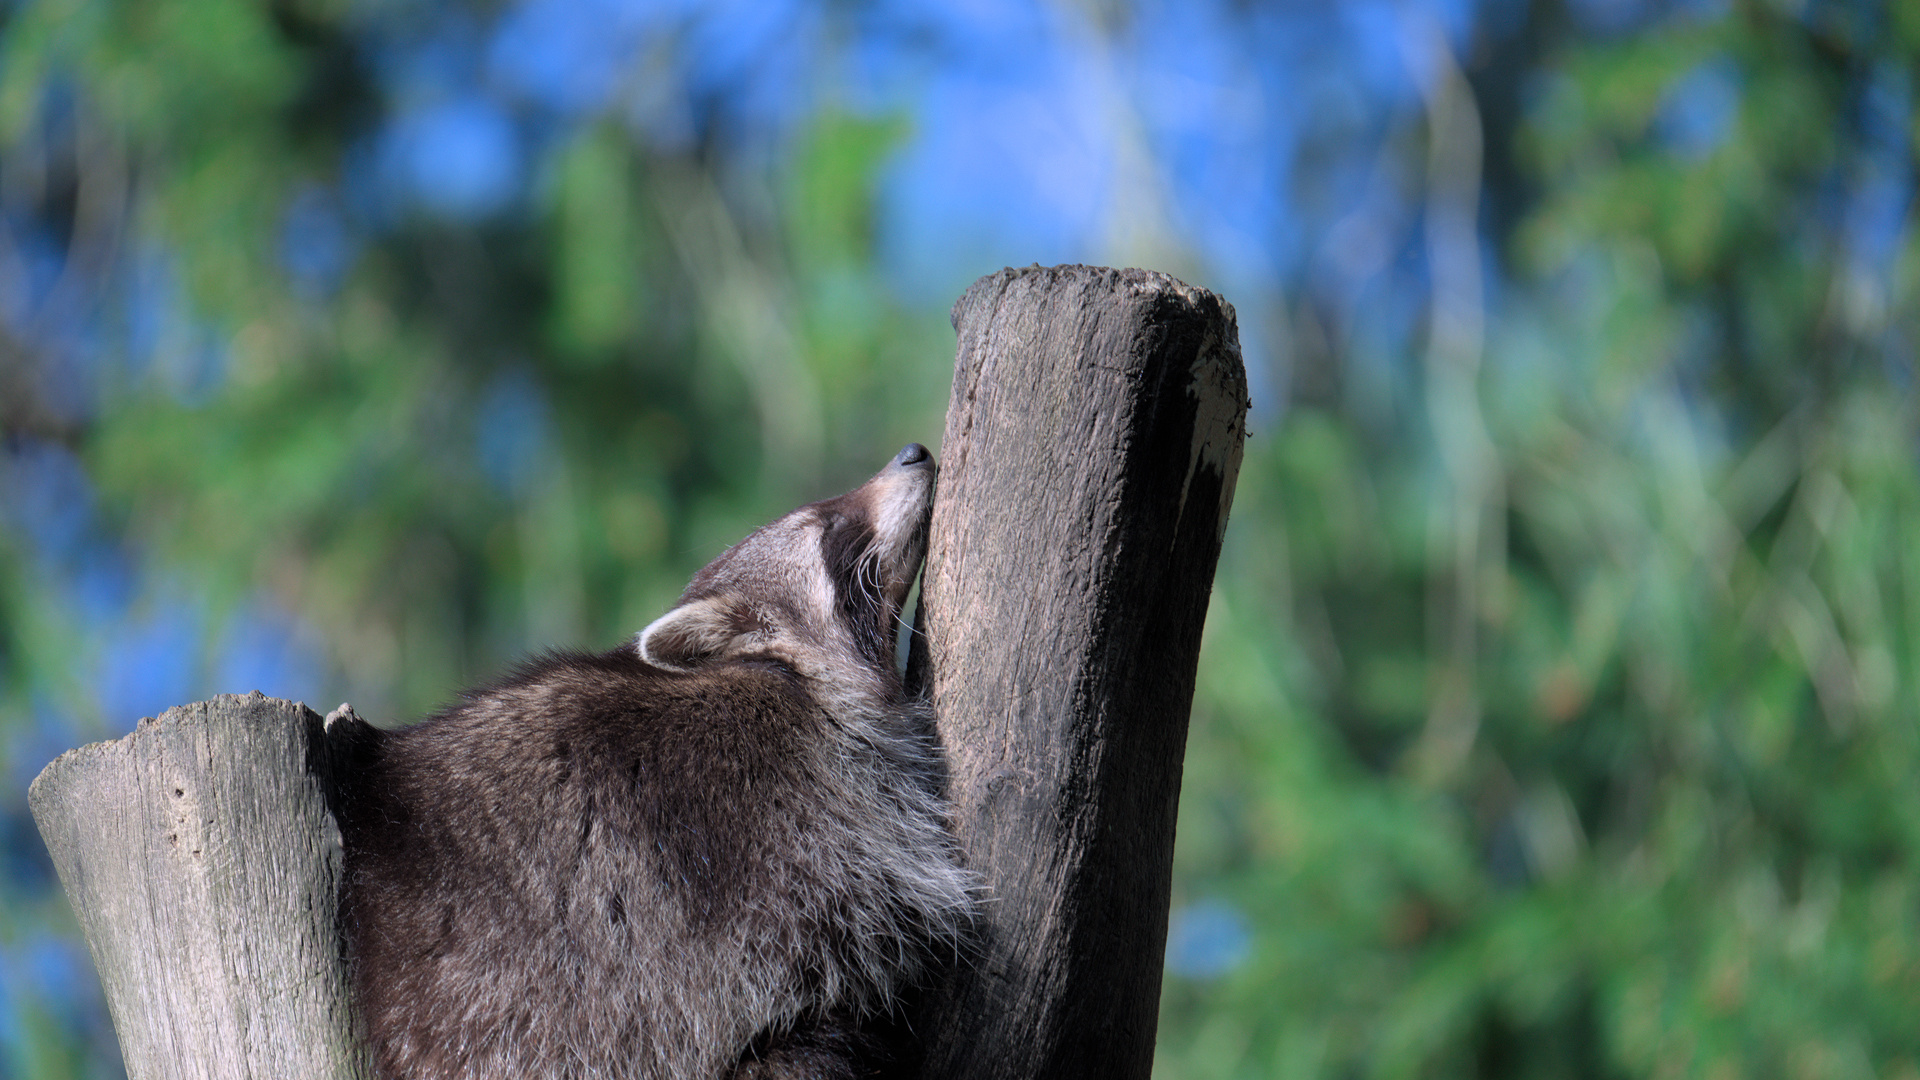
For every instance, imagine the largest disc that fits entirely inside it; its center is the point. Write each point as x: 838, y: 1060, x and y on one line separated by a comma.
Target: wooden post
x: 1092, y: 442
x: 1091, y: 448
x: 203, y: 863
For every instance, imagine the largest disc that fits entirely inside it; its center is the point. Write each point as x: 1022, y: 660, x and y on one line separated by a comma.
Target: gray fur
x: 713, y: 852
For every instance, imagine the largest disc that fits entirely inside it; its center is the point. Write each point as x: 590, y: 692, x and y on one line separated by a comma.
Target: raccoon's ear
x: 690, y: 634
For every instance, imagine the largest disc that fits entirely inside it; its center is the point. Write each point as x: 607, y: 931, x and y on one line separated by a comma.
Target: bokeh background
x: 1557, y: 713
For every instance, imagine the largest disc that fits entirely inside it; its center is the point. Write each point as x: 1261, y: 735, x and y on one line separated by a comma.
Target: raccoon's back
x: 590, y: 868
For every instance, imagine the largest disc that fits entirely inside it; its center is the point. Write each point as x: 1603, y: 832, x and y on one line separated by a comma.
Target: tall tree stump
x: 1092, y: 443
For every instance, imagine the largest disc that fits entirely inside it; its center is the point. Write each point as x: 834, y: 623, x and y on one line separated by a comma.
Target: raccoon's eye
x: 846, y: 530
x: 838, y: 535
x: 774, y: 663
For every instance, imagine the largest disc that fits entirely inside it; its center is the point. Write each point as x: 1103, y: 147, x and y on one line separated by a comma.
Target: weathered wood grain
x: 202, y: 861
x: 1092, y: 442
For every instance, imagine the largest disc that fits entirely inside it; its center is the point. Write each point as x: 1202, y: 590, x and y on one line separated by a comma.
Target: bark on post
x: 1092, y: 442
x: 203, y: 863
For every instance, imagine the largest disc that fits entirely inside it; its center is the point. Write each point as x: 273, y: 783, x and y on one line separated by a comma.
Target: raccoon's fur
x: 711, y: 852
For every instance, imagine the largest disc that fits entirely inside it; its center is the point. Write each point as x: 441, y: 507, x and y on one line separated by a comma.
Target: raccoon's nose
x: 911, y: 454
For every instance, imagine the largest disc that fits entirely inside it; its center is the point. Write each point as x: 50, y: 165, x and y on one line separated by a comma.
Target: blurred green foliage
x: 1674, y: 833
x: 1557, y: 714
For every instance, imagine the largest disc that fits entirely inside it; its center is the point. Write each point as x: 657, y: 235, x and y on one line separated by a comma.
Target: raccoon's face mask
x: 812, y: 591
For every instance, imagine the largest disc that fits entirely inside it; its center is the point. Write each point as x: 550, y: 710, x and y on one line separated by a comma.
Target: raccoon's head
x: 817, y: 592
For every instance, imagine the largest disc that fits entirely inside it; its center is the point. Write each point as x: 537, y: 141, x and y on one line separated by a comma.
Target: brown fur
x: 712, y: 852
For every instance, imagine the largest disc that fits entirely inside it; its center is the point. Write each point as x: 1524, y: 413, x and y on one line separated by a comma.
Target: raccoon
x: 715, y: 851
